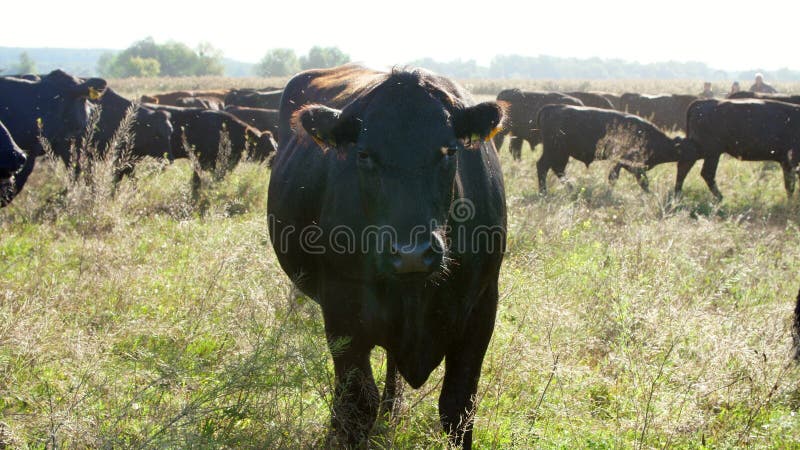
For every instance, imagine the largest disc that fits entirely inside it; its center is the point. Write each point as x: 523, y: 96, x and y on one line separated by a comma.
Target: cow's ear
x: 93, y: 88
x: 327, y: 126
x: 480, y: 122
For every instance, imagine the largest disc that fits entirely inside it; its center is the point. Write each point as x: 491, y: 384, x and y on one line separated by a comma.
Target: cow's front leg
x: 463, y: 370
x: 683, y: 169
x: 515, y: 147
x: 789, y: 177
x: 641, y: 178
x: 392, y: 399
x: 355, y: 402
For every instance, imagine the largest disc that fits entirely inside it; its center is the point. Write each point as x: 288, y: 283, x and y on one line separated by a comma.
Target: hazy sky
x: 741, y: 35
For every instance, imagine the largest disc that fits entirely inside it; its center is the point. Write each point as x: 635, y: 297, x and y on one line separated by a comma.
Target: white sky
x: 734, y: 36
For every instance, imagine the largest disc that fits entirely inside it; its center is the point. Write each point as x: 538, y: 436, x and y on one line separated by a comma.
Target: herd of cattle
x: 377, y: 155
x: 58, y: 107
x: 748, y: 126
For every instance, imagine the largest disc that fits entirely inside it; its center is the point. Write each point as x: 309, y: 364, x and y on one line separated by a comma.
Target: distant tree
x: 25, y: 65
x: 323, y: 57
x: 173, y: 59
x: 209, y: 60
x: 278, y: 62
x: 105, y: 64
x: 141, y: 67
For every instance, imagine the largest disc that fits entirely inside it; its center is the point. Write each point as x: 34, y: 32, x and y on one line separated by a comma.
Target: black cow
x: 152, y: 129
x: 402, y: 163
x: 575, y: 131
x: 794, y: 99
x: 12, y: 159
x: 750, y: 130
x: 262, y: 119
x: 203, y: 128
x: 592, y: 99
x: 523, y: 107
x: 254, y: 98
x: 56, y: 106
x: 665, y: 111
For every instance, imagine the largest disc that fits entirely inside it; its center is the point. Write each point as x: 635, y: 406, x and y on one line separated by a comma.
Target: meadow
x: 146, y: 317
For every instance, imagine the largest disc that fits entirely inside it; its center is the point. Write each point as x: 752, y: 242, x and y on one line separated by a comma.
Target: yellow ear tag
x: 494, y: 131
x: 93, y: 94
x: 322, y: 143
x: 319, y: 141
x: 39, y: 123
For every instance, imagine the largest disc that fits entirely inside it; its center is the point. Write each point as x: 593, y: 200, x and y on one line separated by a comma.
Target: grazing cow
x: 401, y: 163
x: 203, y: 128
x: 665, y: 111
x: 254, y: 98
x: 522, y: 111
x: 152, y: 129
x: 12, y: 159
x: 794, y: 99
x: 261, y: 119
x: 56, y: 106
x: 750, y: 130
x: 592, y: 99
x: 575, y: 131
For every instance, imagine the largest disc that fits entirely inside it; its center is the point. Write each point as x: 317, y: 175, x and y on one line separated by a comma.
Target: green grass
x: 626, y: 319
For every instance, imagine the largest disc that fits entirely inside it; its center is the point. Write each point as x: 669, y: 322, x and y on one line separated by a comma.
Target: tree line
x: 147, y: 58
x: 552, y: 67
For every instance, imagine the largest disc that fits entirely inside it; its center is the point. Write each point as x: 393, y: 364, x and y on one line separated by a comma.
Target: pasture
x: 146, y: 318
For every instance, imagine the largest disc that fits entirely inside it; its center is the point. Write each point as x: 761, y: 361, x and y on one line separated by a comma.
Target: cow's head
x: 11, y: 161
x: 155, y: 141
x: 404, y: 139
x: 63, y: 102
x: 262, y: 145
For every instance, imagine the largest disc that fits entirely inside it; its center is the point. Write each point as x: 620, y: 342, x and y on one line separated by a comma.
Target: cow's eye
x: 363, y: 155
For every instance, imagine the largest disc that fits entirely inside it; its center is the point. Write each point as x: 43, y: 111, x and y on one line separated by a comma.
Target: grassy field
x: 148, y: 319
